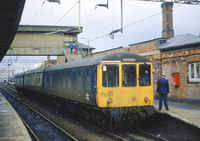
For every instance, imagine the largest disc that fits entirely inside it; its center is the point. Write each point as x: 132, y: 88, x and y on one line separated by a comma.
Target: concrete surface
x: 11, y: 126
x: 188, y: 113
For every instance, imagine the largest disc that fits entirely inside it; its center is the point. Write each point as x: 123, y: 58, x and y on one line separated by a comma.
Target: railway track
x: 128, y: 134
x: 108, y: 135
x: 40, y: 127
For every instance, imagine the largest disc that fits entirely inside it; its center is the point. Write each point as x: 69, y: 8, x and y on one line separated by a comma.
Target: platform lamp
x: 88, y: 43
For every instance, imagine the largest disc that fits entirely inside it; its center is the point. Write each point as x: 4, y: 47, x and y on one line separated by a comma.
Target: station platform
x: 188, y: 113
x: 11, y: 126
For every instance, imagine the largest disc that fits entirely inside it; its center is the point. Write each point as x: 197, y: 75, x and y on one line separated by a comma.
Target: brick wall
x: 178, y: 61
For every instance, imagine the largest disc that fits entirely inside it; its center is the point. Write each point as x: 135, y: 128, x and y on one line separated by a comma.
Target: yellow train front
x: 125, y: 89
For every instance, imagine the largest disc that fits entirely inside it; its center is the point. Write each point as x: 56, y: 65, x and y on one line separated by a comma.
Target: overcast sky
x: 142, y: 21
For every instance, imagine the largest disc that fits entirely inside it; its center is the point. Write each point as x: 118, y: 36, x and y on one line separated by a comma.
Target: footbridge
x: 37, y: 40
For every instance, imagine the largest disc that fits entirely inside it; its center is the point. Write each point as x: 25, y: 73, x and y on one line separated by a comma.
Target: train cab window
x: 129, y: 75
x: 110, y: 75
x: 145, y: 75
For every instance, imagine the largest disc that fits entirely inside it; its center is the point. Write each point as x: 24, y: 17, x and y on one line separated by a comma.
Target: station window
x: 110, y: 75
x: 145, y: 75
x: 194, y: 72
x: 129, y: 75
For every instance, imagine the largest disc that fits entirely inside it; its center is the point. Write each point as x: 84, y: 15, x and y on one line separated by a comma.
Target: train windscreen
x: 110, y: 76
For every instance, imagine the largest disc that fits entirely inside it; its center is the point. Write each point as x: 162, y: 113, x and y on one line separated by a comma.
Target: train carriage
x: 116, y: 87
x: 19, y: 81
x: 33, y: 80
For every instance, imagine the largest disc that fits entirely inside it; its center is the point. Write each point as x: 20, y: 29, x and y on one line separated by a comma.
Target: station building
x: 178, y: 57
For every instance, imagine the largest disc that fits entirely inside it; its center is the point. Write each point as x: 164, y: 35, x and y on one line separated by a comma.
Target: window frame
x: 195, y: 79
x: 117, y: 80
x: 124, y: 77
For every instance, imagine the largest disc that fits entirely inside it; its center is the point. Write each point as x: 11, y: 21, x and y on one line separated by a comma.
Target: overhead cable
x: 66, y: 13
x: 36, y: 13
x: 131, y: 24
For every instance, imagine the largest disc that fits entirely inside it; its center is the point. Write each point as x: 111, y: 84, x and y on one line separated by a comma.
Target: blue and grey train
x: 115, y: 89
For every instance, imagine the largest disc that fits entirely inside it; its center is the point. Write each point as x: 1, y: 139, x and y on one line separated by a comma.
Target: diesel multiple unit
x: 115, y: 88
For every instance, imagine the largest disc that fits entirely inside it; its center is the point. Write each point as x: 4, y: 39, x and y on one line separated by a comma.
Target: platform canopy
x: 10, y: 15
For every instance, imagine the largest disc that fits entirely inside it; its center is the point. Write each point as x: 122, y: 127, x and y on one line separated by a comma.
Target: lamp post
x: 88, y: 43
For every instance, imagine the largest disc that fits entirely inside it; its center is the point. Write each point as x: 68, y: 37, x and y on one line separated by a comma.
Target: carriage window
x: 69, y: 79
x: 58, y: 78
x: 145, y: 75
x: 110, y: 75
x: 79, y: 79
x: 64, y: 79
x: 129, y: 75
x: 88, y: 79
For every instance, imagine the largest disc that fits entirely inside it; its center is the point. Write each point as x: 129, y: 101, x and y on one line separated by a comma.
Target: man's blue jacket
x: 162, y: 86
x: 71, y: 45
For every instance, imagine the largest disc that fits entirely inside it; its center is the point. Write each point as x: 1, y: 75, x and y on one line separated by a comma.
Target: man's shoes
x: 159, y: 109
x: 167, y: 109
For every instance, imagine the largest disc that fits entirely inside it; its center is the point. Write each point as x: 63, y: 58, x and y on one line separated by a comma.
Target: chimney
x: 167, y: 12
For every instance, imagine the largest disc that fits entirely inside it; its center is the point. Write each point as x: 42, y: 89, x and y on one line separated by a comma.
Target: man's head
x: 163, y: 75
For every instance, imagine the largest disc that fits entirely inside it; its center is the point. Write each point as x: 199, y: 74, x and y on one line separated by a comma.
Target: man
x: 76, y: 47
x: 71, y: 45
x: 162, y: 91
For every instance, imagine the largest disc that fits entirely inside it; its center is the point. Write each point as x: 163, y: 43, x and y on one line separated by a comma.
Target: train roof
x: 35, y: 71
x: 19, y: 74
x: 112, y: 57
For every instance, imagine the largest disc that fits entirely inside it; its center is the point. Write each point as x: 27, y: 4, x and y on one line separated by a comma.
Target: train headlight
x: 110, y: 100
x: 146, y: 99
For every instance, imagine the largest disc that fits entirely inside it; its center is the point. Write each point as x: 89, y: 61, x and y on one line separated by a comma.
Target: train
x: 114, y: 89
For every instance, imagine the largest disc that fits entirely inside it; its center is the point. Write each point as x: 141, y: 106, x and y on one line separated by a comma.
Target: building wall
x: 39, y: 44
x: 177, y: 61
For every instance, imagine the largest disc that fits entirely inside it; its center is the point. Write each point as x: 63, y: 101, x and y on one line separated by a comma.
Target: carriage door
x: 94, y: 85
